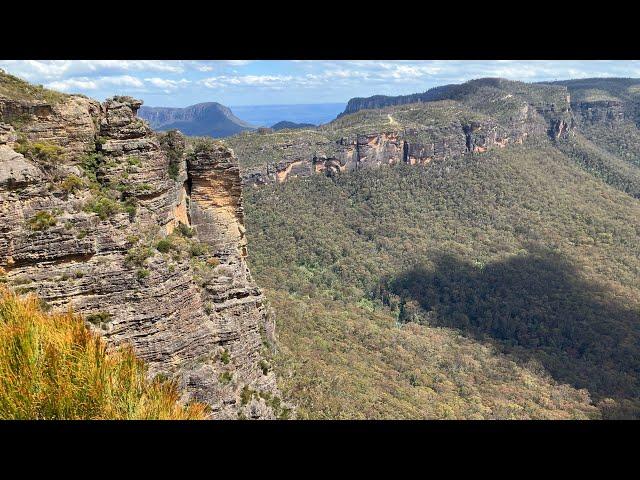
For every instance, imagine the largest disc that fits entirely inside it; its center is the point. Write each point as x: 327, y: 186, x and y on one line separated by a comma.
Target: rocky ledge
x: 142, y: 236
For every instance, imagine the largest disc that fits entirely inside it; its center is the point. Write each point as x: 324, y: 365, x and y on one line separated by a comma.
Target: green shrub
x: 131, y: 207
x: 90, y: 164
x: 103, y: 206
x: 99, y: 319
x: 246, y: 395
x: 47, y: 153
x: 264, y: 366
x: 184, y: 230
x: 138, y: 255
x: 42, y: 221
x: 225, y: 357
x: 225, y: 377
x: 143, y: 273
x: 198, y: 249
x: 164, y: 245
x: 71, y: 184
x: 174, y: 170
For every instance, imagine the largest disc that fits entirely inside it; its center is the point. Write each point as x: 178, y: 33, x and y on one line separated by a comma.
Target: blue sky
x: 262, y: 82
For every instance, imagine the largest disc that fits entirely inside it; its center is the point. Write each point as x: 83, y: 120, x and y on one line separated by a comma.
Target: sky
x: 173, y: 83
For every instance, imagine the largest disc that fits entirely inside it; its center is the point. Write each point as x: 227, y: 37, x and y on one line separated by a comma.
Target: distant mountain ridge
x: 291, y: 125
x: 581, y: 90
x: 209, y: 118
x: 381, y: 101
x: 268, y: 115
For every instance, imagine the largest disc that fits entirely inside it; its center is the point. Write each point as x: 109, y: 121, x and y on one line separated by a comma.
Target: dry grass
x: 53, y: 367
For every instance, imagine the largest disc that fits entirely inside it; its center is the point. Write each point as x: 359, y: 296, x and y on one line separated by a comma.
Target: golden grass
x: 53, y: 367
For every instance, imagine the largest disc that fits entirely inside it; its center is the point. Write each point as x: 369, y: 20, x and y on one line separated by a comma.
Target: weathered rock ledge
x: 82, y: 226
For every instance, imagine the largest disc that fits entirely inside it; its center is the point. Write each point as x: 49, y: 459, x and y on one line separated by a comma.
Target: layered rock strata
x: 83, y: 226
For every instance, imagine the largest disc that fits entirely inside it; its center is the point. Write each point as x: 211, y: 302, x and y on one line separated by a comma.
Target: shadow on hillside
x: 535, y: 307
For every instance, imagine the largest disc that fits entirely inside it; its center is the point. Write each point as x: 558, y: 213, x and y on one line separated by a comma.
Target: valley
x: 527, y: 250
x: 469, y: 252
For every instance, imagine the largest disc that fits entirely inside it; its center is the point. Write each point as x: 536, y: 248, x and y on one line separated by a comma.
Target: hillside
x: 521, y: 253
x: 203, y: 119
x: 501, y: 222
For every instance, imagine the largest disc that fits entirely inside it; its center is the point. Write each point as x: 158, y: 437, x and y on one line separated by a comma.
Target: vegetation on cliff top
x: 17, y: 89
x: 53, y: 367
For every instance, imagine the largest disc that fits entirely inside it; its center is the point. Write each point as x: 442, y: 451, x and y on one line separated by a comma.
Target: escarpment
x: 144, y: 237
x: 445, y: 122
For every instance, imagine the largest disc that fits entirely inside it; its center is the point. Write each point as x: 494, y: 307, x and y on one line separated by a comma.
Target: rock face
x: 70, y: 123
x: 412, y: 146
x: 603, y: 111
x: 97, y: 228
x: 444, y: 122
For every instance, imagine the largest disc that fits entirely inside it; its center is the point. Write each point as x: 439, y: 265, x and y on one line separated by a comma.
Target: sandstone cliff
x: 141, y: 235
x: 451, y: 121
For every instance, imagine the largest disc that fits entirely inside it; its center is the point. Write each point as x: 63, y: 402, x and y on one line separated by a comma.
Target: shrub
x: 225, y: 377
x: 103, y: 206
x: 164, y: 245
x: 42, y: 221
x: 184, y: 230
x: 174, y: 170
x: 53, y: 367
x: 143, y: 273
x: 138, y: 255
x: 198, y: 249
x: 99, y: 319
x: 90, y: 164
x: 72, y: 184
x: 245, y: 395
x: 135, y: 161
x: 131, y: 207
x: 264, y: 366
x: 43, y: 152
x: 225, y: 357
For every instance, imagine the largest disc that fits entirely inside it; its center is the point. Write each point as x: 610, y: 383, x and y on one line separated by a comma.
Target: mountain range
x: 203, y: 119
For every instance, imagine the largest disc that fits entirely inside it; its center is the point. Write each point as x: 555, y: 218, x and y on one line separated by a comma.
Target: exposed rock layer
x: 200, y: 319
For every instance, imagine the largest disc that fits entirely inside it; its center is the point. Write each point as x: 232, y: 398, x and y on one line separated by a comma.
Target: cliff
x: 451, y: 121
x: 142, y: 236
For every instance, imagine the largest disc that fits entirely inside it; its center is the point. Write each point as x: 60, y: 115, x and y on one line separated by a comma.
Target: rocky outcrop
x: 411, y: 146
x: 70, y: 123
x: 147, y: 245
x: 383, y: 101
x: 603, y: 111
x: 441, y: 123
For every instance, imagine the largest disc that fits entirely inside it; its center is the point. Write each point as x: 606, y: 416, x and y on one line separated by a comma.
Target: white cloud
x: 238, y: 63
x: 73, y: 84
x: 246, y: 80
x: 55, y: 70
x: 166, y: 83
